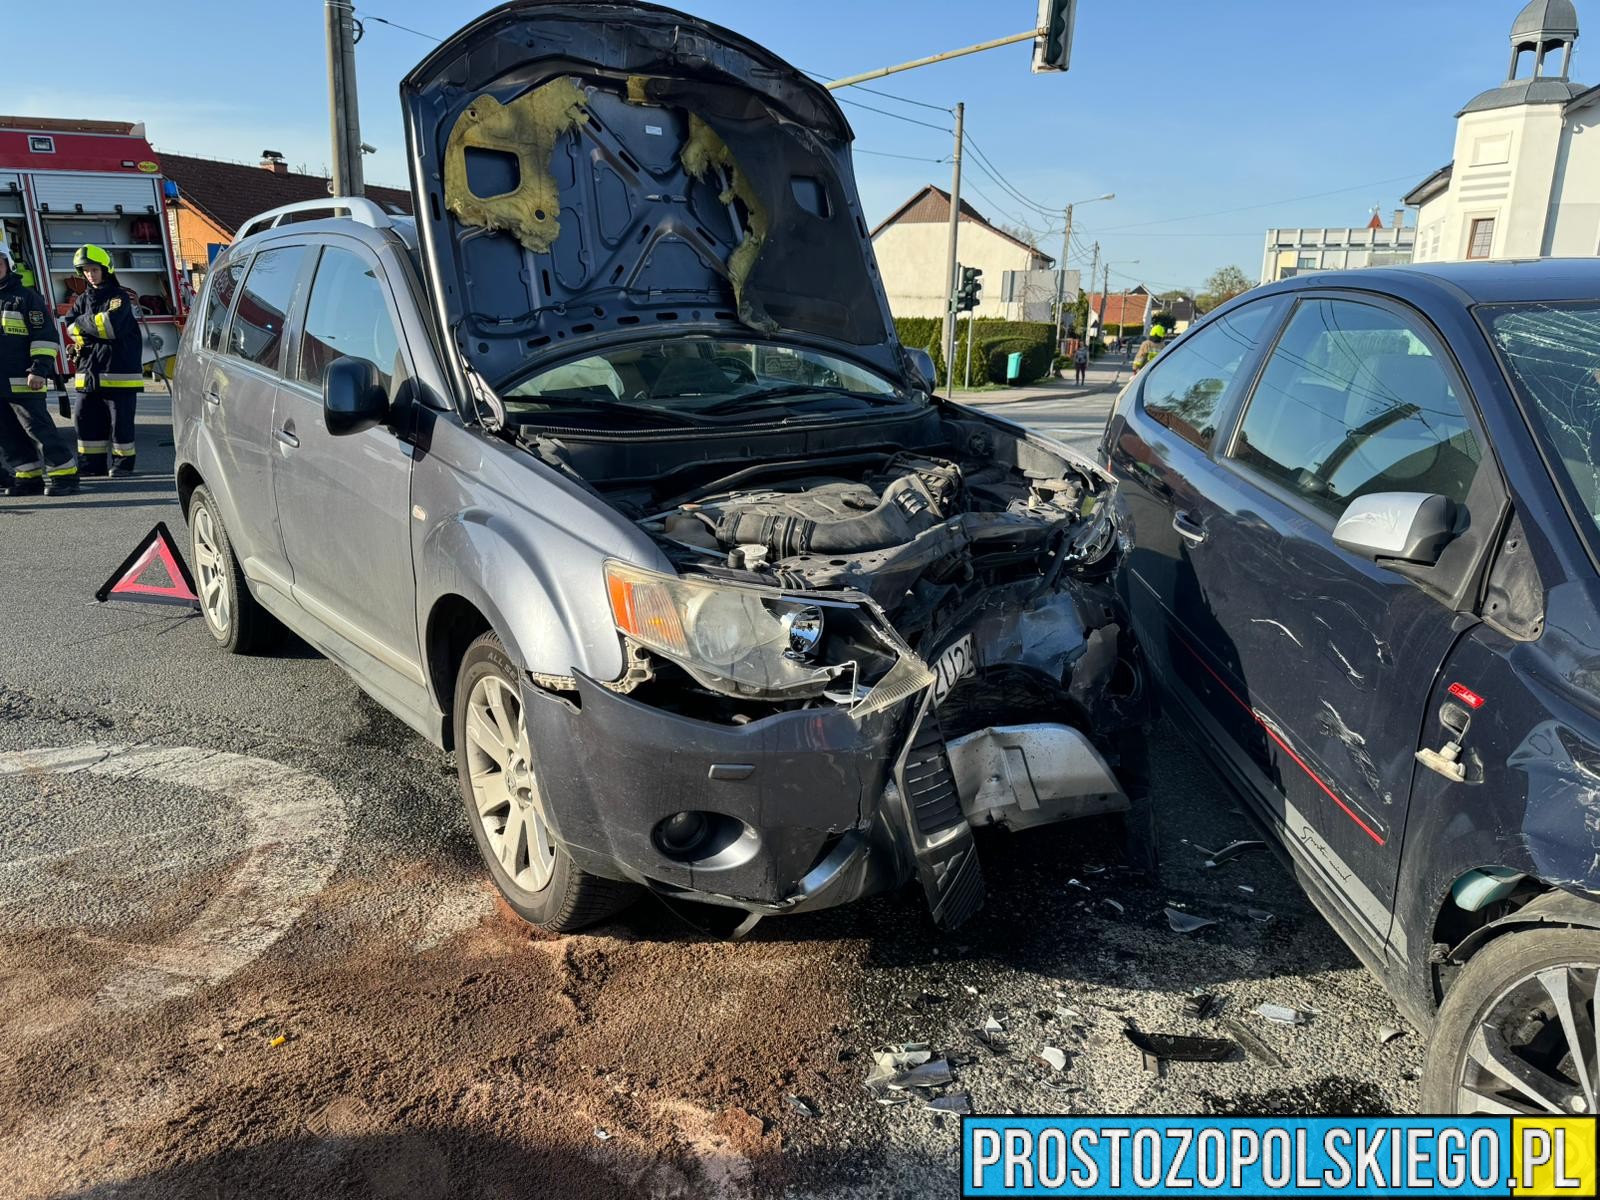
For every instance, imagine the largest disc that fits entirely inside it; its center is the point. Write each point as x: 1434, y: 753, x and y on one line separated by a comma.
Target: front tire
x: 1517, y: 1030
x: 500, y: 787
x: 233, y: 618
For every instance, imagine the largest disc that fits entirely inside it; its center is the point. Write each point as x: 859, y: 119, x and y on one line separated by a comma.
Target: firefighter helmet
x: 1157, y: 332
x: 92, y: 254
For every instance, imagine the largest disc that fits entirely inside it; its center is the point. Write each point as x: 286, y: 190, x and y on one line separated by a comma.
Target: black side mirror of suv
x: 353, y: 396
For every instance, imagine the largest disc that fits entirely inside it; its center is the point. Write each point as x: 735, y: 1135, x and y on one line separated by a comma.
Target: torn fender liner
x: 527, y: 129
x: 703, y: 153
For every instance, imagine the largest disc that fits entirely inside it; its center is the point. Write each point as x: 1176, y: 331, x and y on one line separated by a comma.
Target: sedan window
x: 1552, y: 352
x: 1353, y: 401
x: 1185, y: 386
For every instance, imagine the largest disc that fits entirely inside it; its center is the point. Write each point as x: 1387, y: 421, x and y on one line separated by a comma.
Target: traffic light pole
x: 954, y: 267
x: 851, y: 80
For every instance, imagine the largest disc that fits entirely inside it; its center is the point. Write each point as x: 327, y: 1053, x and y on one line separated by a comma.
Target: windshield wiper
x: 558, y: 404
x: 792, y: 390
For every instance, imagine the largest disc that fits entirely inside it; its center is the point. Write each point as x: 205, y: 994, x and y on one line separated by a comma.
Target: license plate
x: 954, y: 665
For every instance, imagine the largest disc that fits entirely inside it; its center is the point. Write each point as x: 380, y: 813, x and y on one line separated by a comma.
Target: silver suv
x: 610, y: 473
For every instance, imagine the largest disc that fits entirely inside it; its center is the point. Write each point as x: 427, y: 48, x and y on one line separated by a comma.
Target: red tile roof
x: 1122, y: 308
x: 231, y: 193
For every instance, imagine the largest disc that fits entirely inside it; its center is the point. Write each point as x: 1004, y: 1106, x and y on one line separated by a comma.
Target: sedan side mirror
x: 1411, y: 527
x: 922, y: 365
x: 353, y: 396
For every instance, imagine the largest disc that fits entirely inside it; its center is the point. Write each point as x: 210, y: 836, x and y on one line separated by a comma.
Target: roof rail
x: 366, y: 211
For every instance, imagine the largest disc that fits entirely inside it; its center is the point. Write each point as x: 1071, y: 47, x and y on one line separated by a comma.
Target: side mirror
x: 353, y: 396
x: 1411, y: 527
x: 922, y: 365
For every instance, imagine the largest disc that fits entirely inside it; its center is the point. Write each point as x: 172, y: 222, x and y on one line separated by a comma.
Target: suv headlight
x: 745, y: 641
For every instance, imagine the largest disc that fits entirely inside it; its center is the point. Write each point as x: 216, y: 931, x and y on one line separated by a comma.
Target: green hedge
x: 1036, y: 340
x: 1037, y: 358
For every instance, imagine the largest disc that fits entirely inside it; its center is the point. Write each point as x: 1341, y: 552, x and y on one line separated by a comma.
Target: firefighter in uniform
x: 34, y: 453
x: 1150, y: 349
x: 108, y: 358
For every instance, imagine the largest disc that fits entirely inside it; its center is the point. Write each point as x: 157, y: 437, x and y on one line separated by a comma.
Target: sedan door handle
x: 213, y: 397
x: 286, y: 437
x: 1188, y: 528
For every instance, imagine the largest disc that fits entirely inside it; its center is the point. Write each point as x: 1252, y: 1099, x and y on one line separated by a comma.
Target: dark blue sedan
x: 1362, y: 512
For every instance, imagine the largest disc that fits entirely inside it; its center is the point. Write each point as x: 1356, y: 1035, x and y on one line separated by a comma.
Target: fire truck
x: 64, y: 183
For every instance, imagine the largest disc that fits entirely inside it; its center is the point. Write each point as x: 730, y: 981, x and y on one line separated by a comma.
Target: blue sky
x: 1255, y: 105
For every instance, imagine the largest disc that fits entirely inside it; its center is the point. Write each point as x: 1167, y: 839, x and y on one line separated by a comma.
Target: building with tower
x: 1525, y: 179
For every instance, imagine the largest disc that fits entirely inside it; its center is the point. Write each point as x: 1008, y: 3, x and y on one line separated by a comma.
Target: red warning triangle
x: 154, y: 573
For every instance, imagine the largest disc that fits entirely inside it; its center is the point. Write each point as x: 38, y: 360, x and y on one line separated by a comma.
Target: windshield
x: 1552, y: 352
x: 695, y: 379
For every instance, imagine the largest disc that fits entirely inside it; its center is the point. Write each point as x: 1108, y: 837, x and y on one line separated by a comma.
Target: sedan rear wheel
x: 506, y: 806
x: 1517, y: 1031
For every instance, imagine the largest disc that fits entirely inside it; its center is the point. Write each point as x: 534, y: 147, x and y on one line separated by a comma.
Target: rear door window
x: 256, y: 331
x: 348, y: 317
x: 1354, y: 400
x: 1184, y: 388
x: 224, y: 283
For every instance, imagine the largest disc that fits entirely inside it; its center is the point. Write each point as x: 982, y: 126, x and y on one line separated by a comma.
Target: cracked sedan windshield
x: 1553, y: 353
x: 713, y: 378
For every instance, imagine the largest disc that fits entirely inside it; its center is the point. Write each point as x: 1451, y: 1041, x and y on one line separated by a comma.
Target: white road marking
x: 295, y: 834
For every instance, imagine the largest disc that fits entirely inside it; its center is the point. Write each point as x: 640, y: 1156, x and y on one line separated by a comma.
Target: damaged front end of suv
x: 869, y: 621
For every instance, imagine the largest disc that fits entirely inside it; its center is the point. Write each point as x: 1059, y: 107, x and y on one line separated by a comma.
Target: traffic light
x: 1052, y: 49
x: 971, y: 286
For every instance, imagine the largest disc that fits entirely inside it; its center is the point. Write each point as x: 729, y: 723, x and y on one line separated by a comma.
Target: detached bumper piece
x: 1021, y: 776
x: 941, y: 839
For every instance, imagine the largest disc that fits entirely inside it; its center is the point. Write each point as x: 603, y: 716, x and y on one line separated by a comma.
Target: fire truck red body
x: 64, y: 183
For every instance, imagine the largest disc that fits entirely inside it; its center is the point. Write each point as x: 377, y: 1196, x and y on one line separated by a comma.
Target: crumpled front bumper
x: 819, y: 806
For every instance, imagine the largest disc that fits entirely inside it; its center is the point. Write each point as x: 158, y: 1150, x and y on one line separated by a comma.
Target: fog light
x: 680, y: 832
x: 803, y: 626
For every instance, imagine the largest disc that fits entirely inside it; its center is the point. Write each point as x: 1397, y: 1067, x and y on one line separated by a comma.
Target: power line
x: 993, y: 172
x: 897, y: 116
x: 907, y: 157
x: 392, y: 24
x: 1222, y: 212
x: 877, y: 92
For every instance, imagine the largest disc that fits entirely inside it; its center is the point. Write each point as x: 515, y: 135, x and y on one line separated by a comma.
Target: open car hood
x: 585, y: 173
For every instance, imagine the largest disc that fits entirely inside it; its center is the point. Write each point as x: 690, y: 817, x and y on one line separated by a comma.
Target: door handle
x: 286, y: 436
x: 1188, y: 528
x: 213, y: 397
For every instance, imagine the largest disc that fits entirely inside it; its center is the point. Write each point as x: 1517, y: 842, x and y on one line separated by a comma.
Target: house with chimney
x: 216, y: 197
x: 1295, y: 251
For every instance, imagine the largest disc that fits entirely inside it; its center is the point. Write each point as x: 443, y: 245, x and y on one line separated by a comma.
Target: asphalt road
x: 245, y: 948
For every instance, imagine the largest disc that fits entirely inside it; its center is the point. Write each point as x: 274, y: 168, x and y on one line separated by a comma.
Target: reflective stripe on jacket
x: 109, y: 346
x: 27, y: 334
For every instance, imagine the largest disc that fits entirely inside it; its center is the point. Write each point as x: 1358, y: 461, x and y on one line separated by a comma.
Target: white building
x: 913, y: 252
x: 1297, y: 251
x: 1525, y: 180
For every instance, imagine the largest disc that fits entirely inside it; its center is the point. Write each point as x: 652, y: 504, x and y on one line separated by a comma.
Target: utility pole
x: 1093, y: 271
x: 1105, y: 287
x: 1061, y: 280
x: 344, y: 115
x: 954, y: 268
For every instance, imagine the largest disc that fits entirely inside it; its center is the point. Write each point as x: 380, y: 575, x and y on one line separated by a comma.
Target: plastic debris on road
x: 1201, y: 1006
x: 1282, y: 1014
x: 1182, y: 922
x: 1253, y: 1046
x: 801, y: 1105
x: 1113, y: 904
x: 601, y: 1135
x: 1231, y: 851
x: 278, y: 1041
x: 1261, y: 916
x: 953, y: 1102
x: 1388, y: 1033
x: 1053, y: 1058
x: 1177, y: 1047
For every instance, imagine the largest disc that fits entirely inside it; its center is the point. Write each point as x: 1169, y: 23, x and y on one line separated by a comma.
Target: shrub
x: 1036, y: 357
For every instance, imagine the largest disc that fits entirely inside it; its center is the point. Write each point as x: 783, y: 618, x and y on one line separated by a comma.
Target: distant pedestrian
x: 1080, y: 365
x: 108, y: 354
x: 33, y: 454
x: 1150, y: 348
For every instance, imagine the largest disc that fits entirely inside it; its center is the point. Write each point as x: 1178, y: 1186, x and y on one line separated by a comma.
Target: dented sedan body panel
x: 1422, y: 738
